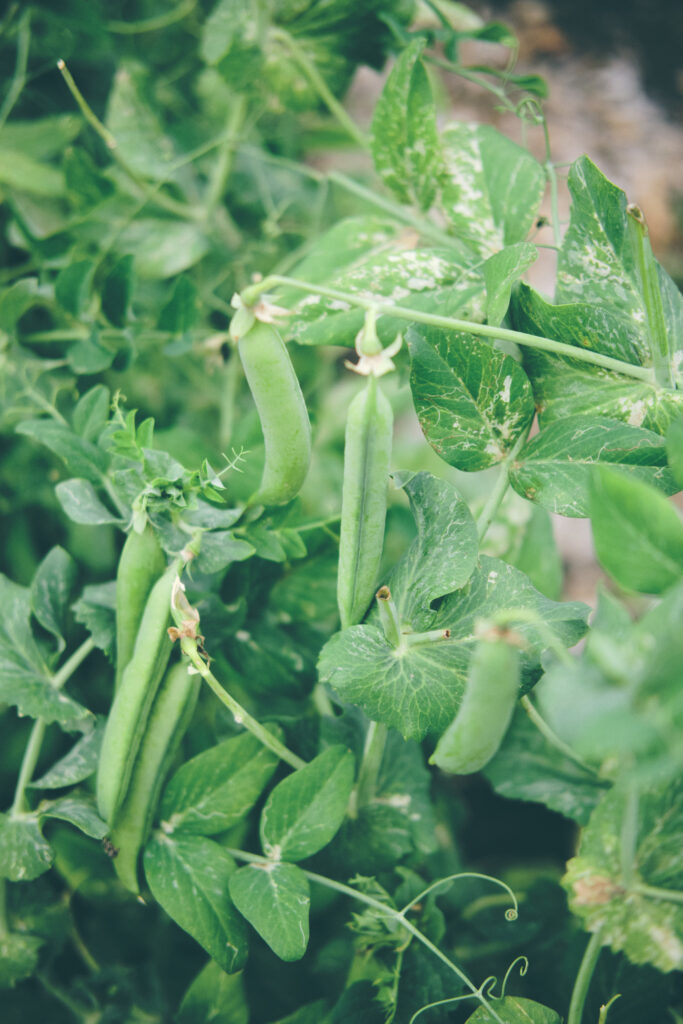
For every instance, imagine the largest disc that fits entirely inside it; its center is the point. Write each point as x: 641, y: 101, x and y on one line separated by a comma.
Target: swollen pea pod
x: 140, y: 566
x: 282, y: 410
x: 130, y: 710
x: 367, y: 455
x: 491, y: 692
x: 170, y: 716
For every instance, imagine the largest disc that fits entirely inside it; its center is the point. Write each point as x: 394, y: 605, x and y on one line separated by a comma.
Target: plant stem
x: 387, y: 911
x: 551, y: 736
x: 499, y: 490
x: 655, y: 893
x: 35, y: 740
x: 132, y: 28
x: 19, y: 77
x: 321, y: 87
x: 629, y: 835
x: 648, y: 281
x: 551, y: 178
x: 583, y: 979
x: 450, y: 323
x: 4, y: 928
x: 368, y: 774
x: 223, y: 165
x: 604, y: 1010
x: 240, y: 714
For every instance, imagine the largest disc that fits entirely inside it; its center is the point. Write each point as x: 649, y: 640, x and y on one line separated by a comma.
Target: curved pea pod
x: 478, y: 729
x: 367, y: 456
x: 170, y: 716
x: 130, y: 710
x: 140, y: 566
x: 282, y: 410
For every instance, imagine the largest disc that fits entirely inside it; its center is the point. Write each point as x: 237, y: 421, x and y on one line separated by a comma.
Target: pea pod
x: 171, y: 714
x: 133, y: 700
x: 140, y: 566
x: 491, y: 692
x: 367, y: 455
x: 282, y: 410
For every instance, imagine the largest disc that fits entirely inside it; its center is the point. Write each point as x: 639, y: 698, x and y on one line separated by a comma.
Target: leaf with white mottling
x: 501, y: 271
x: 405, y: 143
x: 78, y: 809
x: 647, y: 927
x: 555, y: 467
x: 51, y: 588
x: 491, y: 187
x: 189, y: 877
x: 472, y: 400
x: 82, y: 458
x: 78, y: 764
x: 81, y: 504
x: 24, y: 853
x: 275, y: 900
x: 18, y: 957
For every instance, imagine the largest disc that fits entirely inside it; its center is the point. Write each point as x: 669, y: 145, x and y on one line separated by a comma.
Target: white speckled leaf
x: 568, y: 387
x: 491, y: 187
x: 647, y: 928
x: 405, y: 143
x: 275, y: 900
x: 472, y: 400
x: 554, y: 468
x: 24, y: 853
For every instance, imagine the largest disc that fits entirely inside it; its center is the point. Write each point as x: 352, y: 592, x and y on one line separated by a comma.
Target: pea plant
x: 296, y: 724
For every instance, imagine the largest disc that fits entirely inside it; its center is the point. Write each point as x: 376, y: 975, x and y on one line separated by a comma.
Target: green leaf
x: 472, y: 400
x: 180, y: 313
x: 18, y: 299
x: 418, y: 688
x: 515, y: 1010
x: 220, y: 548
x: 535, y: 553
x: 491, y: 187
x: 375, y: 258
x: 72, y: 287
x: 555, y: 467
x: 188, y: 876
x: 214, y: 996
x: 117, y: 291
x: 43, y: 137
x: 18, y: 957
x: 305, y: 810
x: 501, y: 272
x: 275, y: 900
x: 674, y: 448
x: 51, y: 589
x: 81, y: 457
x: 91, y: 413
x: 19, y: 170
x: 24, y: 853
x: 78, y: 764
x: 527, y: 767
x: 89, y: 356
x: 229, y: 26
x: 96, y: 610
x: 24, y: 677
x: 638, y: 534
x: 217, y: 788
x: 79, y: 810
x: 163, y: 248
x: 646, y: 926
x: 81, y: 504
x: 405, y: 143
x: 569, y: 387
x: 132, y: 120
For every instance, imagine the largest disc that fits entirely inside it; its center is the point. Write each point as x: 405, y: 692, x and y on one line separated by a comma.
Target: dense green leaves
x: 275, y: 900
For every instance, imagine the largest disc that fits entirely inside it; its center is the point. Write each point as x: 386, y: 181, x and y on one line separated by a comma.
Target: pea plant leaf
x: 136, y: 126
x: 527, y: 767
x: 24, y: 853
x: 472, y: 400
x: 275, y: 899
x: 417, y: 688
x: 674, y: 448
x: 78, y: 764
x: 214, y: 790
x: 501, y: 272
x: 491, y: 188
x: 51, y: 588
x: 25, y: 680
x: 555, y: 467
x: 18, y: 957
x: 96, y: 610
x: 638, y: 534
x: 377, y: 259
x: 515, y: 1010
x: 405, y: 143
x: 643, y: 923
x: 82, y: 458
x: 78, y: 809
x: 189, y: 877
x: 79, y: 500
x: 305, y: 810
x: 91, y: 413
x: 220, y: 548
x: 569, y: 387
x: 214, y: 995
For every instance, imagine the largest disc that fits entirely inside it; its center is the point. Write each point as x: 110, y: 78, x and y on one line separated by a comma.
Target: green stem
x: 368, y: 774
x: 387, y: 911
x: 19, y: 77
x: 551, y: 178
x: 551, y: 736
x: 648, y: 281
x: 240, y: 714
x: 668, y: 895
x: 388, y: 616
x: 583, y: 979
x: 629, y: 835
x: 4, y: 928
x: 321, y: 87
x: 223, y: 166
x: 35, y: 740
x: 251, y: 293
x: 604, y: 1010
x: 132, y: 28
x: 499, y: 490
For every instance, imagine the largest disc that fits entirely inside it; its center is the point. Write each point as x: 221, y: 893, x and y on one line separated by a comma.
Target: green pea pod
x: 130, y: 710
x: 491, y: 692
x: 367, y: 456
x: 171, y: 714
x: 282, y: 411
x: 140, y: 566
